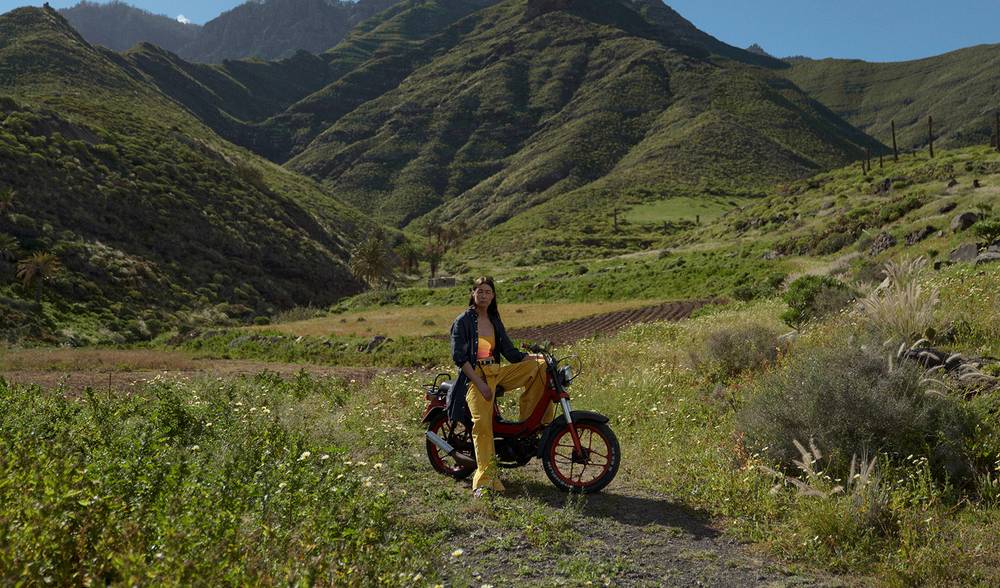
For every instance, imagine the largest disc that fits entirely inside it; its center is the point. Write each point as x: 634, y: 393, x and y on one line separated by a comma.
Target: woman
x: 476, y: 337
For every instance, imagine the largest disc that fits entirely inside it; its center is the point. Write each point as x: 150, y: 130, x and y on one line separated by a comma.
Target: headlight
x: 566, y: 375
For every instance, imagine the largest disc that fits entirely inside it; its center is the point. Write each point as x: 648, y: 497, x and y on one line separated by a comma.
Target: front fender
x: 559, y: 421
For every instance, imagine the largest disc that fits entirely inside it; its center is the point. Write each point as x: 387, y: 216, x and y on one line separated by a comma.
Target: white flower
x: 305, y: 455
x: 324, y: 457
x: 195, y: 448
x: 458, y: 552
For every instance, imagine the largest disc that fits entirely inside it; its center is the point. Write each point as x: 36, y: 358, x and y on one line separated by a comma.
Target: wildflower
x: 458, y: 552
x: 282, y: 485
x: 324, y: 457
x: 195, y: 448
x: 305, y: 455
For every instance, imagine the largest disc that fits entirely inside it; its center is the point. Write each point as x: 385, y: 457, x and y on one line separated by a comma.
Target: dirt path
x: 620, y: 537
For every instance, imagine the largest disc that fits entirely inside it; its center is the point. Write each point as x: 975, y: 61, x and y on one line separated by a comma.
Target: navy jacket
x: 464, y: 347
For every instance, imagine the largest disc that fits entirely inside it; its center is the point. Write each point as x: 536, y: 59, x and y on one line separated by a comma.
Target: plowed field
x: 608, y: 323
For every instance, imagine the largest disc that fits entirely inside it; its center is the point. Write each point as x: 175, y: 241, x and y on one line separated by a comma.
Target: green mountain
x: 152, y: 215
x: 959, y: 89
x: 119, y: 26
x: 522, y: 101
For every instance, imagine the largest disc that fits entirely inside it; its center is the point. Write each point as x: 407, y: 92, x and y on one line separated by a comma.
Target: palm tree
x: 6, y: 199
x: 8, y: 251
x: 8, y: 246
x: 409, y: 256
x: 37, y: 268
x: 369, y: 262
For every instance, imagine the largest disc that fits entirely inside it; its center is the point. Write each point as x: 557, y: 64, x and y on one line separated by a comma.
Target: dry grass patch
x: 422, y: 321
x: 102, y: 360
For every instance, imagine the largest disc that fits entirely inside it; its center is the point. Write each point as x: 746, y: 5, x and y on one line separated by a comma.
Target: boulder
x: 882, y: 242
x: 947, y: 207
x: 918, y: 236
x: 966, y: 252
x: 964, y: 221
x: 987, y: 257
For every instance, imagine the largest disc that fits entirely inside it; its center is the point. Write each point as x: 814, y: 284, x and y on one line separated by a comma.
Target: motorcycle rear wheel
x: 460, y: 438
x: 587, y: 473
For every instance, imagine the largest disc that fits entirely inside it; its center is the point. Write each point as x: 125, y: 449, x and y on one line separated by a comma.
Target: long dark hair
x: 488, y: 280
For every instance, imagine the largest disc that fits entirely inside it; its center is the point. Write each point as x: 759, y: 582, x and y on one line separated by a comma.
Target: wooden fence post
x: 895, y: 150
x: 930, y: 134
x: 996, y: 130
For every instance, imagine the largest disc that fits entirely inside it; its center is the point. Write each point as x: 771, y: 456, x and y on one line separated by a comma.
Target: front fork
x: 577, y: 445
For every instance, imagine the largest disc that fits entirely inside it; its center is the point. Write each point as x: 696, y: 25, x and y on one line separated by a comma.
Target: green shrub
x: 812, y: 297
x: 988, y: 230
x: 728, y: 351
x: 852, y: 402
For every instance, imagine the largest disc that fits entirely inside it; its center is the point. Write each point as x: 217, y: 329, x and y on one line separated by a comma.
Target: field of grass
x: 429, y: 321
x: 683, y: 208
x: 679, y: 419
x: 104, y: 360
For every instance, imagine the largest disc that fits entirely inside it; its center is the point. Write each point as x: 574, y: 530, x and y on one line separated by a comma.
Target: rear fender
x: 432, y: 413
x: 578, y: 416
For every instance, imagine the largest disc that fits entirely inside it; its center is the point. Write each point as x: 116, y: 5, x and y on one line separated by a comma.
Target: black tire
x: 560, y: 465
x: 461, y: 439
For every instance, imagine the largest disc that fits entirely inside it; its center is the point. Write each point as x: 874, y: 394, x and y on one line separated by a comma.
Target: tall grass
x: 219, y: 483
x: 901, y: 307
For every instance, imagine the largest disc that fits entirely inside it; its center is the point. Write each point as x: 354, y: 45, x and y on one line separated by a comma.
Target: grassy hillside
x: 958, y: 89
x: 520, y: 102
x: 150, y: 213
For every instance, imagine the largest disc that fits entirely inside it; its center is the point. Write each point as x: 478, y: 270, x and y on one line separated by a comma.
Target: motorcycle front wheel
x: 589, y: 471
x: 460, y: 438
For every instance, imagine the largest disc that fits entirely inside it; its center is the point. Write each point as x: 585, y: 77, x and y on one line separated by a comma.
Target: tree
x: 36, y: 269
x: 409, y: 257
x: 7, y: 196
x: 8, y: 247
x: 369, y: 262
x: 433, y: 253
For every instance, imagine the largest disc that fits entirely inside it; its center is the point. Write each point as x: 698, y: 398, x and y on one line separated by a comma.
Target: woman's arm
x: 480, y: 384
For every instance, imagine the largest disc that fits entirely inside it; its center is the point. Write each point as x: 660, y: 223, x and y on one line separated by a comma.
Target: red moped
x: 578, y: 449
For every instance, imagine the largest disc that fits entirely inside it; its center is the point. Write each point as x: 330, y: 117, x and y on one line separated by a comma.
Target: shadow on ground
x: 634, y: 510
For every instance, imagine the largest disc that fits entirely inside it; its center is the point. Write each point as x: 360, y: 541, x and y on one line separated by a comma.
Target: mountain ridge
x: 152, y: 214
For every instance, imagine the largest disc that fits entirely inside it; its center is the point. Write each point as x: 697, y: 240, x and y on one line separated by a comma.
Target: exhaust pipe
x: 462, y: 459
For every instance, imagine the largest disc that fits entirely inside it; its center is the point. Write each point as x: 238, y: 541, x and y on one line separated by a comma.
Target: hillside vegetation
x: 150, y: 215
x: 958, y: 89
x: 477, y: 110
x: 514, y: 105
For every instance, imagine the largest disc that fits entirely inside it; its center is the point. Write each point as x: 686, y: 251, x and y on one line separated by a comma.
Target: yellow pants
x: 529, y: 374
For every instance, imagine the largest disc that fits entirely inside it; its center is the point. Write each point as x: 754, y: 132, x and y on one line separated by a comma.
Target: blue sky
x: 884, y: 30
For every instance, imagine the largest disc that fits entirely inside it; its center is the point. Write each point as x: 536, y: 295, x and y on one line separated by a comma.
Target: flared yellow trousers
x: 529, y: 374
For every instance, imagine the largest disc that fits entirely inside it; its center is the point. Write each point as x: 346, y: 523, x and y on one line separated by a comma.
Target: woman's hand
x: 484, y: 389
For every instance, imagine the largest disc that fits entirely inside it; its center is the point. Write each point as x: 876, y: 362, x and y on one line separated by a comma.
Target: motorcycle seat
x: 445, y: 387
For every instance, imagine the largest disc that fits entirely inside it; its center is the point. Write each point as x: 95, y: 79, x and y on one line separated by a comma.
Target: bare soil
x: 608, y: 323
x: 116, y: 380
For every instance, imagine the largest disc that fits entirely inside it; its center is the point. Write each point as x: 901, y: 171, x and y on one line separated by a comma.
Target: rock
x: 987, y: 257
x: 918, y: 236
x: 952, y: 183
x: 976, y: 184
x: 964, y: 221
x: 966, y: 252
x: 947, y: 207
x: 771, y: 255
x: 882, y: 242
x: 883, y: 187
x: 376, y: 342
